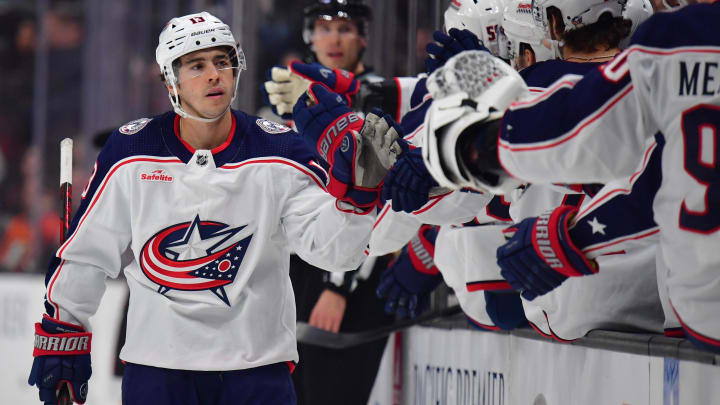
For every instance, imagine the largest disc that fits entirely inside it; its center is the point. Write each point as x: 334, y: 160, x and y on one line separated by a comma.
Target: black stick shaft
x: 66, y: 146
x: 66, y: 214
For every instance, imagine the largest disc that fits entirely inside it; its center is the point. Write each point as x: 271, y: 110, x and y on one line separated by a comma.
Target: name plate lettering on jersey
x: 196, y: 256
x: 159, y: 175
x: 699, y: 78
x: 133, y: 127
x: 271, y: 127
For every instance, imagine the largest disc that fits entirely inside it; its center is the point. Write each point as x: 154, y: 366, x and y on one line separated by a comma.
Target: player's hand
x: 408, y: 281
x: 408, y: 182
x: 327, y: 314
x: 382, y: 145
x: 62, y: 356
x: 540, y: 256
x: 332, y: 130
x: 338, y: 80
x: 282, y: 90
x: 285, y: 85
x: 449, y: 45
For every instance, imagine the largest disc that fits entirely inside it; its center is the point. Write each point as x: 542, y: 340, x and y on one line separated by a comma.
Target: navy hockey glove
x: 448, y: 45
x: 338, y: 80
x: 62, y: 356
x: 332, y: 130
x: 407, y: 283
x: 540, y: 256
x: 408, y: 182
x: 284, y: 86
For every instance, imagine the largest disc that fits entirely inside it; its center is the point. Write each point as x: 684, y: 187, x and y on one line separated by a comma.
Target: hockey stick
x: 319, y: 337
x: 66, y: 147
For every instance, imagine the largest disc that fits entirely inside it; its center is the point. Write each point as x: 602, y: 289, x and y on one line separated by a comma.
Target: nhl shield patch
x: 134, y: 127
x: 271, y: 127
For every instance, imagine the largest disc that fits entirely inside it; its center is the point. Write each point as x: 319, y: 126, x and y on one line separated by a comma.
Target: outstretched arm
x: 583, y: 129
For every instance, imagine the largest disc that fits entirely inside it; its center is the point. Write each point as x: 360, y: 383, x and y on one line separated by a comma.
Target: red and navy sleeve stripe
x: 555, y: 117
x: 621, y: 212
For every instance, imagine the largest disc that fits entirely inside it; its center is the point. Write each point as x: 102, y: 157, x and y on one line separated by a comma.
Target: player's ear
x: 529, y: 57
x: 554, y: 30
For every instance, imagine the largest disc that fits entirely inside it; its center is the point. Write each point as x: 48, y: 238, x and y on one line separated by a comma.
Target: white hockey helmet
x: 190, y: 33
x: 636, y: 11
x: 576, y: 13
x: 481, y: 17
x: 471, y: 92
x: 519, y: 27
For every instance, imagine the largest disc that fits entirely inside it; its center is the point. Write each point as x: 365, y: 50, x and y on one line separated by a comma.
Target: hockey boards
x: 318, y: 337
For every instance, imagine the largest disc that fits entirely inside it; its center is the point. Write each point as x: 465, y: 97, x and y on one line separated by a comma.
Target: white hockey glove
x: 470, y: 94
x: 358, y: 152
x: 382, y: 145
x: 285, y: 85
x: 283, y: 89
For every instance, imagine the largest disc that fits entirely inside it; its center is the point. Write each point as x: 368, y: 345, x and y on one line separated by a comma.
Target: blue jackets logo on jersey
x: 133, y: 127
x: 271, y: 127
x: 195, y: 256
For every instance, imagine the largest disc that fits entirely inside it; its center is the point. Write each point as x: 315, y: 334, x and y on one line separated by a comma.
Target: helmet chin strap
x: 175, y: 101
x: 177, y: 107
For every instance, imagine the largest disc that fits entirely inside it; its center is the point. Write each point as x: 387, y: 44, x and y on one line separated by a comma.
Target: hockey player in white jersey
x: 555, y: 314
x: 199, y: 207
x: 627, y: 290
x: 631, y: 235
x: 602, y: 124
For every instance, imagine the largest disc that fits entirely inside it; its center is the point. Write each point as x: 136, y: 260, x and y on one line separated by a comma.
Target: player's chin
x: 215, y: 107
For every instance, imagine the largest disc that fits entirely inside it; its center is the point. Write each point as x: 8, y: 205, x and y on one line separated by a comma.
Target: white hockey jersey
x: 203, y: 237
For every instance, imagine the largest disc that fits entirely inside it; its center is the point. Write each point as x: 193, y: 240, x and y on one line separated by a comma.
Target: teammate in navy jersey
x: 199, y: 207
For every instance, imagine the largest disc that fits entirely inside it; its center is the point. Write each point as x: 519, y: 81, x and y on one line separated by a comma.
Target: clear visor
x: 539, y: 15
x: 543, y: 49
x: 512, y: 49
x: 503, y: 45
x: 230, y: 63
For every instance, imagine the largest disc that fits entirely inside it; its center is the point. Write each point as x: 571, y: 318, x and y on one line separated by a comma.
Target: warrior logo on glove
x: 61, y: 345
x: 542, y: 239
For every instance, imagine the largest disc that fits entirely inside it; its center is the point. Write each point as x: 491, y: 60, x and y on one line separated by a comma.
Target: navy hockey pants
x: 266, y: 385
